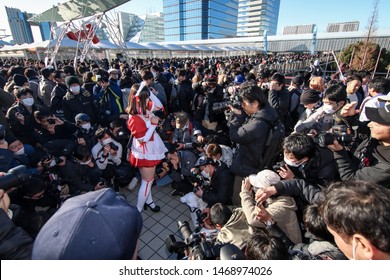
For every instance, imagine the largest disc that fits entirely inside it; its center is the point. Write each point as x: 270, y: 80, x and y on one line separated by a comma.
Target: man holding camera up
x: 250, y: 130
x: 371, y: 160
x: 221, y: 182
x: 107, y: 153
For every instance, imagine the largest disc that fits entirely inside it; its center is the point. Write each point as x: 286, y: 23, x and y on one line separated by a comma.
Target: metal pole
x: 377, y: 61
x: 338, y: 66
x: 353, y: 53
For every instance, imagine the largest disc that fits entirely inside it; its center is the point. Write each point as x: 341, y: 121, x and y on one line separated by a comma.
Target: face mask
x: 86, y: 162
x: 28, y: 101
x: 205, y: 174
x: 154, y: 74
x: 290, y: 163
x: 74, y: 89
x: 19, y: 152
x: 106, y: 141
x: 86, y: 126
x: 328, y: 109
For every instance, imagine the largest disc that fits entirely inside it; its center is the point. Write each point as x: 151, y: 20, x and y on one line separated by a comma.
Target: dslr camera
x: 339, y: 133
x: 235, y: 100
x: 113, y: 146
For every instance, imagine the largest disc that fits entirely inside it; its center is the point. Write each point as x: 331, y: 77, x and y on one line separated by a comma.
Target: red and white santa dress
x: 147, y: 149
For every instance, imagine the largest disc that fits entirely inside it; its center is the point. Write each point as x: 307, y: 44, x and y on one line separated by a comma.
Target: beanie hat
x: 70, y: 80
x: 19, y: 80
x: 310, y: 96
x: 92, y: 226
x: 265, y: 178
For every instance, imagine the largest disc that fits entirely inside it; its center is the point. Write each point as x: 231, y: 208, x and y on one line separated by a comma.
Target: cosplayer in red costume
x: 147, y: 149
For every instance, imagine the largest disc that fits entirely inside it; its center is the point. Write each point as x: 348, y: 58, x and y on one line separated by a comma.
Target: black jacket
x: 280, y: 100
x: 80, y: 103
x: 377, y: 163
x: 185, y: 96
x: 15, y: 243
x: 251, y: 133
x: 57, y: 95
x: 221, y: 186
x: 321, y: 168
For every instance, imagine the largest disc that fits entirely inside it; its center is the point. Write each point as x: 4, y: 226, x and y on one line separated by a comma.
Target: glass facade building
x: 20, y: 27
x: 199, y: 19
x: 255, y: 16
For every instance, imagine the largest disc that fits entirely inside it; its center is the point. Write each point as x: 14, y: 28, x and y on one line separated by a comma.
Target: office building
x: 255, y: 16
x: 139, y: 29
x: 199, y: 19
x: 20, y: 28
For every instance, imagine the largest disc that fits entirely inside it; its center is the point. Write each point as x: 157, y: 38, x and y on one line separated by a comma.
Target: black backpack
x: 272, y: 147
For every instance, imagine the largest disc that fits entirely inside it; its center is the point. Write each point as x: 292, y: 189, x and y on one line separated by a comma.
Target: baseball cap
x: 379, y: 115
x: 181, y: 120
x: 239, y: 79
x: 81, y: 117
x: 265, y: 178
x: 98, y: 225
x: 204, y: 161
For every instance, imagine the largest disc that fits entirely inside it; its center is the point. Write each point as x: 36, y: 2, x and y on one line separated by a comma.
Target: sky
x: 292, y: 12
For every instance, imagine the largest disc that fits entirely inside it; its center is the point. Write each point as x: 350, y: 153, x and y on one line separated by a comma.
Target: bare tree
x: 371, y: 29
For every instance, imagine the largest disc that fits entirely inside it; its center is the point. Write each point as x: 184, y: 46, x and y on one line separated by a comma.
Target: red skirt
x: 136, y: 162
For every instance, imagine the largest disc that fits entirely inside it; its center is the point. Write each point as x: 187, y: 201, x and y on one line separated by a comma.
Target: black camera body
x: 339, y: 133
x: 113, y: 146
x: 201, y: 249
x: 235, y: 101
x: 277, y: 166
x: 197, y: 180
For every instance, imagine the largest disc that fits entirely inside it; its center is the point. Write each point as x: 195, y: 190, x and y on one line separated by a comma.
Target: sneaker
x: 133, y: 184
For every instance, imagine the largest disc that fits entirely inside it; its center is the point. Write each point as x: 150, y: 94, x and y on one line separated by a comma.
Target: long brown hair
x: 138, y: 104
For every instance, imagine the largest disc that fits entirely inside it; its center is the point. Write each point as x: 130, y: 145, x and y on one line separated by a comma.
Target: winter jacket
x: 78, y: 103
x: 251, y: 133
x: 376, y: 159
x: 221, y: 186
x: 280, y: 100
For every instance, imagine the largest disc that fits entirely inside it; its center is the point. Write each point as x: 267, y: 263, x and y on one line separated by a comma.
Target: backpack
x: 273, y: 144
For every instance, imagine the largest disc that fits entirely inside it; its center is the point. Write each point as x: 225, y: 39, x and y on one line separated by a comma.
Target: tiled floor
x: 157, y: 226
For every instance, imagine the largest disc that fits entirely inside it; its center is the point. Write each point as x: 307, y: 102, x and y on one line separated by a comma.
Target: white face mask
x: 74, y: 89
x: 86, y: 126
x: 290, y: 163
x: 106, y: 141
x: 205, y: 174
x: 328, y: 109
x: 19, y: 152
x: 154, y: 74
x: 28, y: 101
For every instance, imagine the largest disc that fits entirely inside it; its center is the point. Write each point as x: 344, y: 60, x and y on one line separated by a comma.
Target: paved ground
x: 157, y: 226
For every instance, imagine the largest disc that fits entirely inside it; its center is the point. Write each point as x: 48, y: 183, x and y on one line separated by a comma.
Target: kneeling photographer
x: 371, y: 160
x: 107, y: 154
x: 220, y: 188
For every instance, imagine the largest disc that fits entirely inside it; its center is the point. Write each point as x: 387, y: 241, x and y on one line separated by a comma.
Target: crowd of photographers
x: 258, y: 158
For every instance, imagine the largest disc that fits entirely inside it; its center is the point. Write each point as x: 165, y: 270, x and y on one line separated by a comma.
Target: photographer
x: 371, y: 160
x: 221, y: 182
x: 250, y: 130
x: 205, y: 118
x: 303, y: 159
x: 85, y: 133
x: 279, y: 97
x: 81, y: 173
x: 107, y: 154
x: 21, y: 115
x: 108, y: 101
x: 232, y: 225
x: 77, y: 100
x: 178, y: 167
